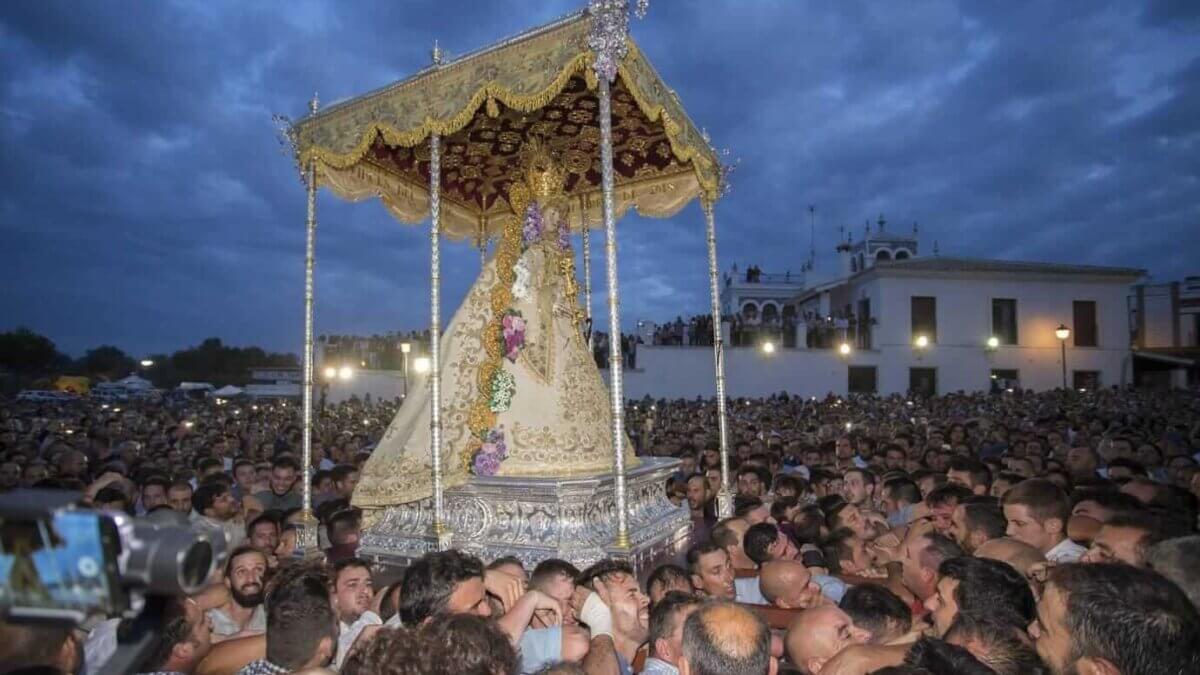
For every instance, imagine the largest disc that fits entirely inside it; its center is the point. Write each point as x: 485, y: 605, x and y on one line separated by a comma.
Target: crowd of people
x: 695, y: 332
x: 1018, y: 533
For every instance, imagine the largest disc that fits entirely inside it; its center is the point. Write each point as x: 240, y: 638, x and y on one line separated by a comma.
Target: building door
x: 922, y: 381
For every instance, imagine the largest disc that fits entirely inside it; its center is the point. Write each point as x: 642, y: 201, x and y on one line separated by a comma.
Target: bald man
x: 818, y: 634
x: 788, y: 584
x: 722, y: 637
x: 1020, y: 555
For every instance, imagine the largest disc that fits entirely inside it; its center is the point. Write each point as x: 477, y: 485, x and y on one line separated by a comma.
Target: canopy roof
x: 486, y: 106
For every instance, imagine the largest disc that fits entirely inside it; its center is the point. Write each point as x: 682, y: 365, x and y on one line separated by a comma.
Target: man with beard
x: 353, y: 590
x: 617, y: 613
x: 243, y: 614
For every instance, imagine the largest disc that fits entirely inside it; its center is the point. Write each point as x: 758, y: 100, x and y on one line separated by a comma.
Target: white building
x: 928, y: 324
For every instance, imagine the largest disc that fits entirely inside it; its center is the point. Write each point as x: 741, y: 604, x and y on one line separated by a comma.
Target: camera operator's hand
x: 504, y: 586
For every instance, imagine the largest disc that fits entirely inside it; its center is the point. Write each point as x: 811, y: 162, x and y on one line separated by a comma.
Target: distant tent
x: 196, y: 386
x: 228, y: 391
x: 135, y: 383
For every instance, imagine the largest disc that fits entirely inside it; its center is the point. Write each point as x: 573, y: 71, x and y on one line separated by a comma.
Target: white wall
x: 380, y: 384
x: 964, y: 317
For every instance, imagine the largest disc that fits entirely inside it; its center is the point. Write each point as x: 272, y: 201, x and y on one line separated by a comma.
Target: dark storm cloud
x: 145, y: 201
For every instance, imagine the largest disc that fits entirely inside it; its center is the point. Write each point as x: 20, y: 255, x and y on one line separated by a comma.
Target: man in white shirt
x: 1037, y: 512
x: 353, y: 590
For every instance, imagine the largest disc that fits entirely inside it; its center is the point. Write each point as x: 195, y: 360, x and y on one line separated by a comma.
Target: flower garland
x: 493, y: 450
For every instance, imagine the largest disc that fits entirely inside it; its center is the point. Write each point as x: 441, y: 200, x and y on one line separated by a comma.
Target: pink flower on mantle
x: 514, y: 334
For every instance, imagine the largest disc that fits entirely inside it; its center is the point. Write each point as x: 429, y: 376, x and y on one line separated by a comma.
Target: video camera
x: 60, y: 563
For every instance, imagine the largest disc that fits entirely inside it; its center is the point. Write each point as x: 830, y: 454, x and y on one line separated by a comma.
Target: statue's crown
x: 542, y: 173
x: 544, y: 179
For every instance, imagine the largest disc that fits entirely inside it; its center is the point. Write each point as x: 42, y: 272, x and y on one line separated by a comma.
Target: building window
x: 924, y: 317
x: 864, y: 323
x: 1085, y: 329
x: 1087, y: 380
x: 861, y: 380
x: 1004, y: 320
x: 922, y: 381
x: 1004, y: 379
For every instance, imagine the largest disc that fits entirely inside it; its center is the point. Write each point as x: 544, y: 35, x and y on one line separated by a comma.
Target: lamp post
x: 1062, y: 333
x: 405, y: 348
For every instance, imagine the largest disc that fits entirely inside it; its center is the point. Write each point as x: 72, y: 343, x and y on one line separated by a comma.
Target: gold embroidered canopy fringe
x: 486, y: 106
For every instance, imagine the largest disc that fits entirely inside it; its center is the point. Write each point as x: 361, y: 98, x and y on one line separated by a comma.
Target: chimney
x: 846, y: 255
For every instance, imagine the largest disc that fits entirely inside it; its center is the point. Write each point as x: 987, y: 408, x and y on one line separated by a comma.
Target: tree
x: 25, y: 352
x: 107, y: 361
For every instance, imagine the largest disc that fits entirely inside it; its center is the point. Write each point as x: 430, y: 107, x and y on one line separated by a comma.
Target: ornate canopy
x: 486, y: 106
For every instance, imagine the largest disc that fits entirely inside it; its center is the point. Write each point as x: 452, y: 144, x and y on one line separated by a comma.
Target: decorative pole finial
x: 881, y: 222
x: 314, y: 104
x: 610, y: 27
x: 437, y: 55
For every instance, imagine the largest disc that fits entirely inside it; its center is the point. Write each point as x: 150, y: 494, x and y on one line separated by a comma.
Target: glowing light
x: 345, y: 373
x: 189, y: 424
x: 994, y: 376
x: 1083, y: 390
x: 849, y: 425
x: 844, y: 349
x: 993, y: 342
x: 146, y: 363
x: 405, y: 347
x: 330, y: 373
x: 908, y: 403
x: 1009, y: 390
x: 922, y: 341
x: 422, y: 365
x: 1062, y: 332
x: 768, y: 347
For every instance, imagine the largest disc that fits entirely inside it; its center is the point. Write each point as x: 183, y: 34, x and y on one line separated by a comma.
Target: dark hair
x: 742, y: 506
x: 174, y: 630
x: 318, y: 476
x: 550, y: 569
x: 505, y: 560
x: 1044, y: 499
x: 867, y: 474
x: 238, y: 552
x: 663, y: 575
x: 759, y: 472
x: 836, y: 549
x: 937, y: 549
x: 108, y: 495
x: 758, y: 541
x: 1135, y: 467
x: 466, y: 644
x: 903, y: 489
x: 780, y: 506
x: 604, y: 570
x: 701, y: 549
x: 723, y: 535
x: 943, y: 658
x: 876, y: 609
x: 299, y: 616
x: 977, y: 471
x: 205, y: 463
x: 989, y: 586
x: 1109, y: 499
x: 833, y: 515
x: 944, y: 494
x: 264, y: 517
x: 336, y: 569
x: 1007, y: 650
x: 664, y: 616
x: 1133, y: 618
x: 432, y: 579
x: 285, y: 462
x: 156, y: 479
x: 712, y: 649
x: 986, y: 518
x: 240, y: 462
x: 204, y: 496
x: 806, y: 526
x: 341, y: 472
x: 796, y: 483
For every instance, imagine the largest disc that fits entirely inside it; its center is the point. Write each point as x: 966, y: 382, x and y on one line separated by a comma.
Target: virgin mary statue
x: 521, y: 393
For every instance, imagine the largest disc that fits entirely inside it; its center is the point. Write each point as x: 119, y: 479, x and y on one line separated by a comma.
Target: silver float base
x: 538, y: 518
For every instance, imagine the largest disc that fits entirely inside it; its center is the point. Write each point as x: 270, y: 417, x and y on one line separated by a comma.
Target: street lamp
x: 146, y: 363
x: 405, y: 348
x: 421, y: 364
x: 1062, y: 333
x: 331, y: 373
x: 993, y: 342
x: 844, y: 349
x: 345, y: 373
x: 768, y: 347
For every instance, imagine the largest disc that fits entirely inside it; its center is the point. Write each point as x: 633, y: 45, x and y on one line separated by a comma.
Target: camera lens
x: 168, y: 559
